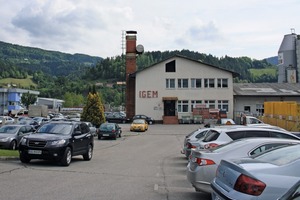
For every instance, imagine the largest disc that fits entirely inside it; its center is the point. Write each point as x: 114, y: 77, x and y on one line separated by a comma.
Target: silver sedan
x: 203, y: 164
x: 264, y: 177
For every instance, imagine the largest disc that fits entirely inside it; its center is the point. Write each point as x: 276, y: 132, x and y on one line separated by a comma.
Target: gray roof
x: 266, y: 89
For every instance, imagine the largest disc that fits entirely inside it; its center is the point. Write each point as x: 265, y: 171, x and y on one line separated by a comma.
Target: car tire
x: 67, y: 157
x: 89, y: 154
x: 24, y: 159
x: 120, y: 135
x: 150, y: 122
x: 99, y: 137
x: 124, y: 121
x: 13, y: 145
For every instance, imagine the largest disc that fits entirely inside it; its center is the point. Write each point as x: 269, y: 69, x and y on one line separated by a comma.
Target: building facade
x: 10, y: 99
x: 171, y: 89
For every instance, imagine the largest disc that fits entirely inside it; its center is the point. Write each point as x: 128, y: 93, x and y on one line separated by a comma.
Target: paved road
x: 137, y: 166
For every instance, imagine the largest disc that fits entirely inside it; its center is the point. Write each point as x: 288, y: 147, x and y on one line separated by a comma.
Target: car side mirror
x: 77, y: 132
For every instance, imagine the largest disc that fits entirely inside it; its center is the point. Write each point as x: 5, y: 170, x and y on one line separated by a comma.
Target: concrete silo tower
x: 287, y: 60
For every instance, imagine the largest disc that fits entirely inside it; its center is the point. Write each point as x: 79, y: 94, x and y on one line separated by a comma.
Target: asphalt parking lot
x: 137, y: 166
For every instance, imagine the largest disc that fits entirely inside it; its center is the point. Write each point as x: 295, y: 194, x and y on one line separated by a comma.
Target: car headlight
x: 4, y: 139
x: 23, y: 141
x: 57, y: 143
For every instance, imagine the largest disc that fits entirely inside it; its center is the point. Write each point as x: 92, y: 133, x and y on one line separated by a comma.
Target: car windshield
x: 107, y: 127
x: 8, y: 129
x: 53, y: 128
x: 138, y: 121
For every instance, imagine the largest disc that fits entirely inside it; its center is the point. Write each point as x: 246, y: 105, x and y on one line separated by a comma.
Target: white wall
x: 154, y: 79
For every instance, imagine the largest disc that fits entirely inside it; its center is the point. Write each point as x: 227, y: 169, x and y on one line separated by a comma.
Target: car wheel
x: 99, y: 137
x: 13, y: 145
x: 120, y: 135
x: 150, y: 122
x: 124, y: 121
x: 67, y: 157
x: 115, y: 137
x: 89, y: 154
x: 24, y: 159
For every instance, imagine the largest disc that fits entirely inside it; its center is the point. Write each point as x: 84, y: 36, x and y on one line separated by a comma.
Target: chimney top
x: 131, y: 32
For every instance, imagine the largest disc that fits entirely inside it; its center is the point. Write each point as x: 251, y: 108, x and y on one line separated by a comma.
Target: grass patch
x: 9, y: 153
x: 259, y: 72
x: 20, y: 83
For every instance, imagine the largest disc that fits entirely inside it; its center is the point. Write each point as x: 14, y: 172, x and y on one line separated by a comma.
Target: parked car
x: 220, y: 136
x: 41, y: 120
x: 29, y: 121
x: 149, y: 120
x: 109, y: 130
x: 6, y: 120
x: 194, y: 136
x: 202, y: 167
x: 292, y: 193
x: 58, y: 141
x: 117, y: 117
x: 139, y: 125
x: 93, y: 129
x: 11, y: 135
x: 266, y: 176
x: 195, y: 143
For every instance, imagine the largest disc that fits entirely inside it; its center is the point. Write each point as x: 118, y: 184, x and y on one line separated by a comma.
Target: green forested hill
x: 56, y: 74
x: 51, y: 62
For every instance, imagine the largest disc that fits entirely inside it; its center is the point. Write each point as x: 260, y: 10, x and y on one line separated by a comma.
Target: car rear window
x: 211, y: 136
x: 281, y: 156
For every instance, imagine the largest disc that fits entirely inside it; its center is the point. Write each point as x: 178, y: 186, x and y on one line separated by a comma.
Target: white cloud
x: 252, y: 28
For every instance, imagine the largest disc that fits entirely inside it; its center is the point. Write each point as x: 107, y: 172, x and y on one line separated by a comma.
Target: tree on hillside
x: 93, y: 111
x: 28, y: 99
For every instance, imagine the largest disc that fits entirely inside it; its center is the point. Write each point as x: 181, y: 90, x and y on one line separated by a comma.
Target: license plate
x: 37, y: 152
x: 105, y: 134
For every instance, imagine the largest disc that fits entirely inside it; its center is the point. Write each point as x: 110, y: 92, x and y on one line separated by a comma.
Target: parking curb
x: 9, y: 158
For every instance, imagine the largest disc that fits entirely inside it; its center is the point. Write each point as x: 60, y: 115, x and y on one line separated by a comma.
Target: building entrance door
x: 169, y: 108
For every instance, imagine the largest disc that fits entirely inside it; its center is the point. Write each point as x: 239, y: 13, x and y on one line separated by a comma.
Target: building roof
x: 266, y: 89
x: 235, y: 74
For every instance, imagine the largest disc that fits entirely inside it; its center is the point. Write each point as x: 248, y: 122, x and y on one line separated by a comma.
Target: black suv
x: 58, y: 141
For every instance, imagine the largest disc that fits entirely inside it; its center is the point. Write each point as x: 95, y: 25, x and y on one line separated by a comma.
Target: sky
x: 235, y: 28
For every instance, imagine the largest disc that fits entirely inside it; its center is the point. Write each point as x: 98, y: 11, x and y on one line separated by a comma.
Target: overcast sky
x: 252, y: 28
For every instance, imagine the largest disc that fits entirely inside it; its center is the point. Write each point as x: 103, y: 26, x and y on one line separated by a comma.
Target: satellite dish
x: 139, y: 49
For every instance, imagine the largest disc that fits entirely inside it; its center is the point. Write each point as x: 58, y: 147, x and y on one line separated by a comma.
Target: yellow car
x: 139, y: 125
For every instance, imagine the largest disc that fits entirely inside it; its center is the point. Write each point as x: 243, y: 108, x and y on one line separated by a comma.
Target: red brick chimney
x: 130, y: 64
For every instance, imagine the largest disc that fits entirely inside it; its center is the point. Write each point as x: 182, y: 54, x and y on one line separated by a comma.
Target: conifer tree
x: 93, y: 111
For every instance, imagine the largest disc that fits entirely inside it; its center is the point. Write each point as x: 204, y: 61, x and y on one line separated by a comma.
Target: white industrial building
x: 170, y: 89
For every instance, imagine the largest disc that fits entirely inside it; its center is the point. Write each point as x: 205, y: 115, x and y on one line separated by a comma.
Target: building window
x: 222, y: 83
x: 170, y: 83
x: 194, y: 103
x: 183, y: 106
x: 196, y: 83
x: 260, y: 109
x: 209, y: 83
x: 171, y: 66
x: 183, y: 83
x: 210, y: 104
x: 223, y: 105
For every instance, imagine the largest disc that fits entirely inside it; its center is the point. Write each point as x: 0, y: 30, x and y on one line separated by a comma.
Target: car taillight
x: 210, y: 145
x: 190, y: 146
x: 203, y: 162
x: 248, y: 185
x: 113, y: 130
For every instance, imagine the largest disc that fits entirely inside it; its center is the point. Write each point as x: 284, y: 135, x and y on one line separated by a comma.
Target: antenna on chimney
x: 292, y: 30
